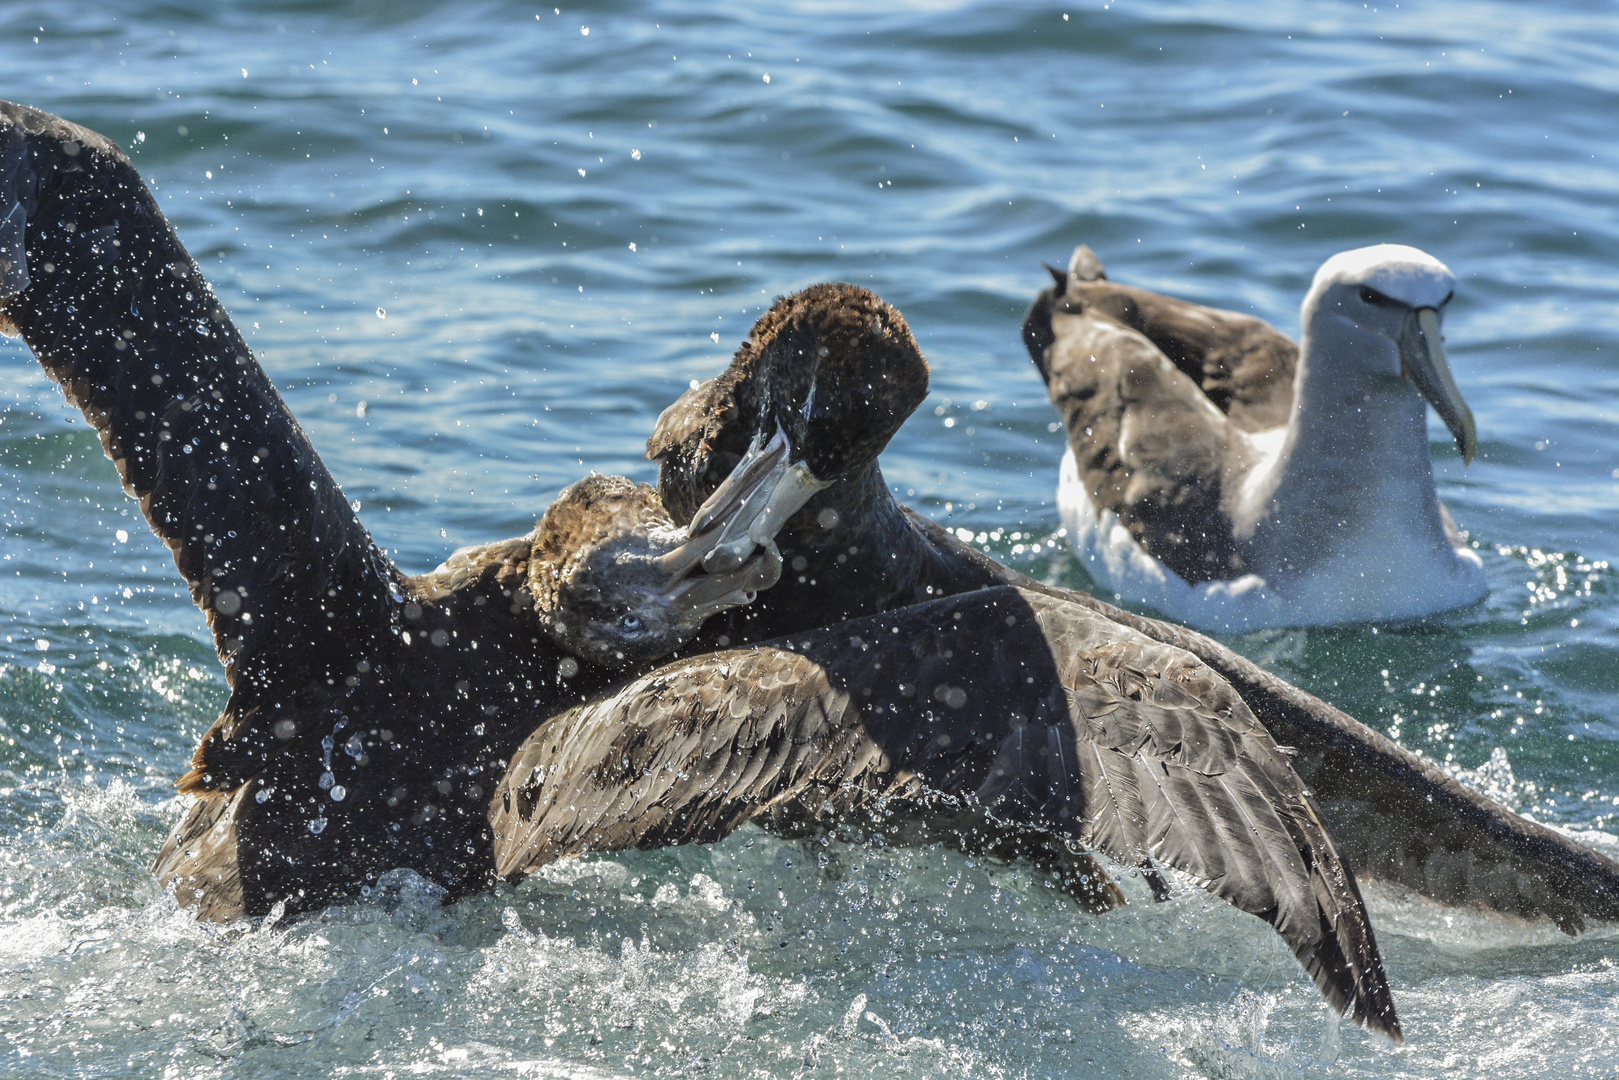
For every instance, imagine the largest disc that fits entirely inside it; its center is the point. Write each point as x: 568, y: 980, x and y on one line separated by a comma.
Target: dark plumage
x: 852, y: 550
x: 1029, y: 706
x: 370, y: 712
x: 1396, y: 815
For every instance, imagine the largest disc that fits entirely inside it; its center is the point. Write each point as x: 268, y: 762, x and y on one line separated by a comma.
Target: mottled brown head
x: 612, y: 578
x: 833, y: 368
x: 836, y: 370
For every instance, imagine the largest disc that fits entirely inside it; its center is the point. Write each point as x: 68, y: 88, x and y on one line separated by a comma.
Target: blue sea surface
x: 480, y: 246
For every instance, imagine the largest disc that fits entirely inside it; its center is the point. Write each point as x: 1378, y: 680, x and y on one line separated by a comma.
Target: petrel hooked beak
x: 731, y: 535
x: 711, y: 593
x: 1422, y: 361
x: 754, y: 502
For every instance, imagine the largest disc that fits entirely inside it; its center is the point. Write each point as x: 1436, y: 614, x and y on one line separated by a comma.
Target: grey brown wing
x: 1400, y: 816
x: 1150, y: 445
x: 1243, y: 364
x: 120, y: 316
x: 1036, y: 709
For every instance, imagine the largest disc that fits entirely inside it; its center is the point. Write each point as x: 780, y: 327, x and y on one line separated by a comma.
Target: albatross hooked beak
x: 1422, y: 361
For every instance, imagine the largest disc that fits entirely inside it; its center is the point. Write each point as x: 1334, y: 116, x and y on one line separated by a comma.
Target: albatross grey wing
x: 1244, y: 365
x: 1150, y: 445
x: 121, y: 317
x: 1030, y: 706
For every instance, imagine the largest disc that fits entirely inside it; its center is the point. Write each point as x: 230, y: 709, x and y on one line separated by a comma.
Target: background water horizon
x: 478, y: 249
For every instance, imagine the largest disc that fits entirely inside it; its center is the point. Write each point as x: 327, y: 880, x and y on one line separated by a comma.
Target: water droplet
x: 381, y: 314
x: 339, y: 793
x: 318, y: 826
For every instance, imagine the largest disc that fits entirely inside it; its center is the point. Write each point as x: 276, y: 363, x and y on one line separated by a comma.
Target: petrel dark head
x: 835, y: 370
x: 819, y: 387
x: 615, y: 580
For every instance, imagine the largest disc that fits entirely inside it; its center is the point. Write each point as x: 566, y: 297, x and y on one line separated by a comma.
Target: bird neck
x: 1354, y: 458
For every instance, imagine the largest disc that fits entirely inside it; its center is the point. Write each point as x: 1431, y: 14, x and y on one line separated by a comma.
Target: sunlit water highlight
x: 479, y: 249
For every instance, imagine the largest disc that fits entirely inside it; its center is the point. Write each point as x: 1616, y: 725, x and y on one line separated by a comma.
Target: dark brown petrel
x: 972, y: 716
x: 853, y: 551
x: 371, y: 713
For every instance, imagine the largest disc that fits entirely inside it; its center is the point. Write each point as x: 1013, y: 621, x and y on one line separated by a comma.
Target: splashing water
x: 479, y: 255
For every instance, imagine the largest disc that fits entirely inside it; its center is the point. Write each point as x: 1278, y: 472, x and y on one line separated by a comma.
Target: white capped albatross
x: 1232, y: 480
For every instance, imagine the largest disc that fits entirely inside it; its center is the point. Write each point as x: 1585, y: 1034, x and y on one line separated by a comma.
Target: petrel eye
x: 631, y: 623
x: 1369, y: 295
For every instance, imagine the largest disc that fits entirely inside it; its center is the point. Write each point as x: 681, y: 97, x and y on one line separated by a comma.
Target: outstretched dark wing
x: 121, y: 317
x: 1030, y: 706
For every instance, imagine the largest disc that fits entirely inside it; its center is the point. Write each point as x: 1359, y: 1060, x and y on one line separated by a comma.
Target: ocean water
x: 479, y: 247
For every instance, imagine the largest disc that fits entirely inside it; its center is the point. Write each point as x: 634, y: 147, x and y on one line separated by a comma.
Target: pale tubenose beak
x: 730, y: 553
x: 1422, y: 361
x: 751, y: 506
x: 711, y: 593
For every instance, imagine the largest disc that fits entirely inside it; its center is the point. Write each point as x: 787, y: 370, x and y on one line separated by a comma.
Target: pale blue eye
x: 630, y: 623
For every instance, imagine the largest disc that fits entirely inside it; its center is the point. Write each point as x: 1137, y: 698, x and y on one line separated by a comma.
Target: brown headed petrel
x: 371, y: 713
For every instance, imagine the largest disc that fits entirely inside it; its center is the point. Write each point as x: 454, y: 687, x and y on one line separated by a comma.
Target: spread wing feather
x: 286, y: 575
x: 1028, y: 705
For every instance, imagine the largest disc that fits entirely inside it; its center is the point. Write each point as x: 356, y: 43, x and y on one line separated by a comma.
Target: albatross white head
x: 1396, y: 293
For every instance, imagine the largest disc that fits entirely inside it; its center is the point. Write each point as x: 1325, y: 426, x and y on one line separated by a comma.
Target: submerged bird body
x: 370, y: 712
x: 1234, y: 481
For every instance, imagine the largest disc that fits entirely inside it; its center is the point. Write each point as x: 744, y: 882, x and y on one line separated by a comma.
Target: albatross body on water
x: 1234, y: 481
